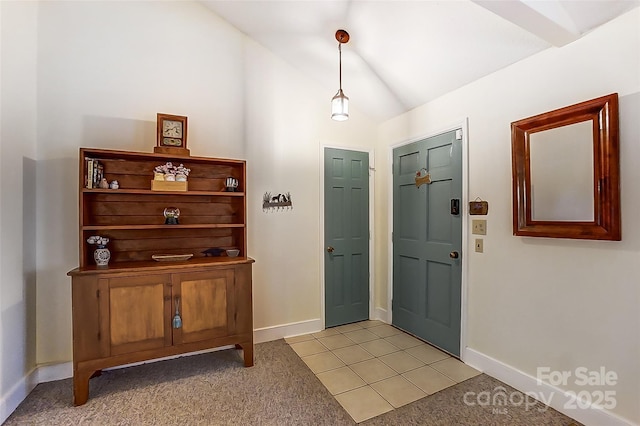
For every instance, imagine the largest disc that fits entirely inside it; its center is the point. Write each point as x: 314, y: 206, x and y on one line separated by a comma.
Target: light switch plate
x: 479, y: 226
x: 479, y: 245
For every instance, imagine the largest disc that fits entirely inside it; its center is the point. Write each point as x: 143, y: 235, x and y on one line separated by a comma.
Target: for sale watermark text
x: 595, y: 391
x: 583, y: 377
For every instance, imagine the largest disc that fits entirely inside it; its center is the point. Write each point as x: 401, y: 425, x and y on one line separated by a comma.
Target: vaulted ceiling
x: 403, y: 54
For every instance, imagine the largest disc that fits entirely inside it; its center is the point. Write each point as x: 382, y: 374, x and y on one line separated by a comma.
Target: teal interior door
x: 427, y: 240
x: 346, y: 229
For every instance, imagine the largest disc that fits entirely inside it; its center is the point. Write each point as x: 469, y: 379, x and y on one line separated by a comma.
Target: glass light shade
x: 340, y: 106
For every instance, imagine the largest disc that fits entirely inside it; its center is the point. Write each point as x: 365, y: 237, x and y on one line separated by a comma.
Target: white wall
x: 104, y: 70
x: 539, y: 302
x: 287, y: 121
x: 101, y: 87
x: 17, y: 200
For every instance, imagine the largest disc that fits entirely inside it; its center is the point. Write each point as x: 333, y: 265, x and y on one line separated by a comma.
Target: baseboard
x: 381, y: 315
x: 551, y: 395
x: 267, y: 334
x: 10, y: 400
x: 52, y: 372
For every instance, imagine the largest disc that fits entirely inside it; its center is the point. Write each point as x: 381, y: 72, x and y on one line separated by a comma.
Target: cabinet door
x: 207, y: 305
x: 139, y: 313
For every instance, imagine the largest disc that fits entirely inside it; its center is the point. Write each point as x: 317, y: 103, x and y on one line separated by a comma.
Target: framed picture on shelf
x: 171, y: 134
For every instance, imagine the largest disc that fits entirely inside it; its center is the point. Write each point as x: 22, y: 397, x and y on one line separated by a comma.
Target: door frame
x: 372, y: 170
x: 464, y: 125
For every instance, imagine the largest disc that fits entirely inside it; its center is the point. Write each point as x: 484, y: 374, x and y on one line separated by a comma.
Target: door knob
x: 330, y: 249
x: 454, y: 255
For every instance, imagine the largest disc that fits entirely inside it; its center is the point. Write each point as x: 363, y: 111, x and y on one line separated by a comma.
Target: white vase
x: 102, y: 256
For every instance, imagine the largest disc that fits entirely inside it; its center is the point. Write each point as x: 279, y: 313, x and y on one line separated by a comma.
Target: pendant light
x: 340, y: 102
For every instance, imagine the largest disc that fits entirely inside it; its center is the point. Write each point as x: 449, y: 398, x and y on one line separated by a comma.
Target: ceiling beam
x: 547, y: 20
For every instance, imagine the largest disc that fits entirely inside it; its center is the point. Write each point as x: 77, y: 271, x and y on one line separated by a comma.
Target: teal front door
x: 427, y: 240
x: 346, y: 236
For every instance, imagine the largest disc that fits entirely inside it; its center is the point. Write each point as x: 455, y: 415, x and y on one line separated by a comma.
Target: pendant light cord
x: 340, y: 54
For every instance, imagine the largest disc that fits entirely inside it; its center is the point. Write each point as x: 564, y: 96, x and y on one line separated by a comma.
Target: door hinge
x: 98, y: 294
x: 459, y: 134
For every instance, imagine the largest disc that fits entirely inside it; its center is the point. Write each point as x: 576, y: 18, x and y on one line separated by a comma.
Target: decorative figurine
x: 114, y: 184
x: 104, y: 184
x: 214, y: 251
x: 231, y: 184
x: 171, y: 215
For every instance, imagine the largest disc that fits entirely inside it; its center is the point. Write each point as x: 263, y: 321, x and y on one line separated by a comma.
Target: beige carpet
x: 215, y: 389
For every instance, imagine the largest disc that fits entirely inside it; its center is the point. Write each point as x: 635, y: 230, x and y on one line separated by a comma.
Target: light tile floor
x: 371, y: 367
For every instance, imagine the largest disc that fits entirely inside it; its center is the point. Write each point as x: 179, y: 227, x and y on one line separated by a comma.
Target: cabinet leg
x: 81, y: 386
x: 247, y: 350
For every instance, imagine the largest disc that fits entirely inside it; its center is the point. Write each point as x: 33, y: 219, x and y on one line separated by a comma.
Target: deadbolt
x: 330, y: 249
x: 454, y: 255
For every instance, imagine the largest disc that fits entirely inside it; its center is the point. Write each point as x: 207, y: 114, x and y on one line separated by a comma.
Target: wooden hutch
x: 124, y: 312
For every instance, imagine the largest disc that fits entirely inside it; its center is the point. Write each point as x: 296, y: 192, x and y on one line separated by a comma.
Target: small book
x: 95, y: 174
x: 89, y: 173
x: 100, y: 175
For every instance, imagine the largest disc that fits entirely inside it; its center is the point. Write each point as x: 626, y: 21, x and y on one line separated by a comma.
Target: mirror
x: 562, y: 173
x: 566, y: 172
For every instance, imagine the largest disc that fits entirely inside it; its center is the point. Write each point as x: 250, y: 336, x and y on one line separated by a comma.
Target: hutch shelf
x: 126, y: 311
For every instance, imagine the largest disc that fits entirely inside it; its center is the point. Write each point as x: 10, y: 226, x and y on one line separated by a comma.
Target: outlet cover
x: 479, y: 245
x: 479, y: 226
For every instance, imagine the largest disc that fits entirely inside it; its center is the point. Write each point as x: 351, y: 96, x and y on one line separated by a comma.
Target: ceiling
x: 403, y: 54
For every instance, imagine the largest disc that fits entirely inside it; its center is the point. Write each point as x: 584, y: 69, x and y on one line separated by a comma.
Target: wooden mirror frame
x: 603, y: 113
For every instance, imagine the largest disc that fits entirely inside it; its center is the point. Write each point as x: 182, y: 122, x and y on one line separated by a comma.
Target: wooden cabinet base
x: 126, y: 314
